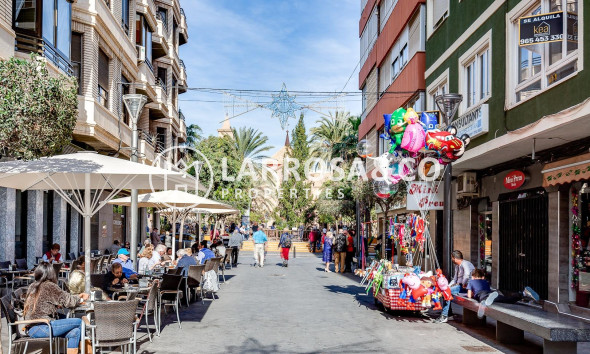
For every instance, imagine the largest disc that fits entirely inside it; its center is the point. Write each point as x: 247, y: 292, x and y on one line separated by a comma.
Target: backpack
x: 287, y: 242
x: 340, y: 243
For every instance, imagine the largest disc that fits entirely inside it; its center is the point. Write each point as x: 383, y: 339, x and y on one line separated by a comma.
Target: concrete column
x: 34, y: 226
x: 60, y: 211
x: 157, y: 222
x: 558, y: 256
x: 7, y: 223
x: 75, y: 232
x: 143, y: 224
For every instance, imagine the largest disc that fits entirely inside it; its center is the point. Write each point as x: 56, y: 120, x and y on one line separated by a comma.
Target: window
x: 440, y: 86
x: 385, y: 9
x: 163, y: 78
x: 76, y: 54
x: 25, y: 15
x: 143, y: 37
x: 474, y: 74
x: 163, y: 16
x: 383, y: 144
x: 125, y: 15
x: 417, y: 102
x: 369, y: 36
x: 399, y: 54
x: 103, y: 78
x: 57, y: 25
x: 535, y: 68
x: 437, y: 11
x: 364, y: 98
x: 125, y: 90
x: 174, y: 91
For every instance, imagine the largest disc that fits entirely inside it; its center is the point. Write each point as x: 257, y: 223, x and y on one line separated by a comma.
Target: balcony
x: 30, y: 44
x: 146, y: 81
x: 182, y: 29
x: 182, y: 129
x: 160, y: 39
x: 148, y: 9
x: 147, y: 147
x: 159, y: 106
x: 99, y: 127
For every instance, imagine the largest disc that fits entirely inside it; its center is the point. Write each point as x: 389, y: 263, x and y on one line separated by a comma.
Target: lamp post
x: 198, y: 165
x: 134, y: 104
x: 448, y: 104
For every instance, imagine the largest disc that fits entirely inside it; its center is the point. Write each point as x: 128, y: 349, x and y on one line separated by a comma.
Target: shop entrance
x: 523, y: 244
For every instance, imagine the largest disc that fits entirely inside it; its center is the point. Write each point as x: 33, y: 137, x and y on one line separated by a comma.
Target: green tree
x: 194, y: 134
x: 38, y: 110
x: 250, y: 143
x: 336, y: 135
x: 295, y: 206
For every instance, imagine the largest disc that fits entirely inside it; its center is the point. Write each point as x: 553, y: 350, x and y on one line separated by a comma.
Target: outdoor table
x: 14, y: 273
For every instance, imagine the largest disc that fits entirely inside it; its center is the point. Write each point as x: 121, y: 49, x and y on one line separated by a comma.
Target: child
x: 479, y: 289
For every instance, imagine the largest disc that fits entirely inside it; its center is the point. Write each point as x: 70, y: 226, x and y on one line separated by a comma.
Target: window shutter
x: 439, y: 8
x: 103, y: 70
x: 76, y: 47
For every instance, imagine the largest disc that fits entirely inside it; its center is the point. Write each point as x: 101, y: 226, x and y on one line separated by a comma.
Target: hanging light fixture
x: 448, y: 104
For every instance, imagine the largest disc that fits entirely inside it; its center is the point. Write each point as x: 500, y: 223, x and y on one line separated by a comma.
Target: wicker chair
x: 194, y: 278
x: 212, y: 264
x: 97, y: 280
x: 16, y: 336
x: 150, y: 307
x: 169, y: 292
x: 114, y: 324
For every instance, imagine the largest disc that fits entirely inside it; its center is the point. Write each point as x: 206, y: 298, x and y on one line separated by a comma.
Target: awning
x: 567, y: 171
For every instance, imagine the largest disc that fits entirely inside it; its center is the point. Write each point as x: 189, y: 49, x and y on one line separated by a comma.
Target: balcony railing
x: 182, y: 64
x: 181, y: 116
x: 160, y: 147
x: 164, y: 22
x: 147, y: 137
x: 163, y: 85
x: 30, y: 44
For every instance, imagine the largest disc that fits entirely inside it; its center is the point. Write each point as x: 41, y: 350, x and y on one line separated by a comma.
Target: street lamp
x: 448, y: 104
x: 198, y: 166
x: 134, y: 104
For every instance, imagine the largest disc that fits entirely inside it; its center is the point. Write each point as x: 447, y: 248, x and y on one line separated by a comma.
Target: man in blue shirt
x: 126, y: 263
x: 204, y: 253
x: 184, y: 261
x: 259, y: 238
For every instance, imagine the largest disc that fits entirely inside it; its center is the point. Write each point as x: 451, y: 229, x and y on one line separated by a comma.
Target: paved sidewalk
x: 301, y: 309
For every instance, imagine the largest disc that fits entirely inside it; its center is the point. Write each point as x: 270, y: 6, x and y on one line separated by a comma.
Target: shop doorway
x: 485, y: 243
x: 524, y: 241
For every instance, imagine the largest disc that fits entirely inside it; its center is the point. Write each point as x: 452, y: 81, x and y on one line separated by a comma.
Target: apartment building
x: 112, y: 47
x: 392, y: 64
x: 519, y: 66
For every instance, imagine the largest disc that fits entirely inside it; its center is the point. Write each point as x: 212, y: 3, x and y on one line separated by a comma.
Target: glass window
x: 404, y: 55
x: 441, y: 89
x: 484, y: 82
x: 77, y: 58
x: 163, y: 16
x: 25, y: 15
x: 125, y: 15
x: 64, y: 27
x: 364, y: 99
x: 49, y: 21
x: 103, y: 78
x: 143, y: 37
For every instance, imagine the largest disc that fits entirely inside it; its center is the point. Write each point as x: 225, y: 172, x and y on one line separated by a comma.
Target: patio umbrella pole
x: 87, y: 215
x: 181, y: 232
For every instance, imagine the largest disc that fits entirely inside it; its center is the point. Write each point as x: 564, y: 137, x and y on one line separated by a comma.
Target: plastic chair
x: 170, y: 292
x: 114, y: 324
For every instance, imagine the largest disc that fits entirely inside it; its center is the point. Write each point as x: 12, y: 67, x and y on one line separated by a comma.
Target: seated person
x: 53, y: 255
x: 218, y: 248
x: 479, y: 289
x: 114, y: 279
x: 115, y: 247
x: 146, y: 242
x: 126, y: 263
x: 76, y: 282
x: 168, y: 256
x: 146, y: 262
x: 184, y: 261
x: 204, y: 253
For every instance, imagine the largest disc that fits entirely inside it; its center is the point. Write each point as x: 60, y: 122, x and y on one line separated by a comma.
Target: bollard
x: 294, y: 251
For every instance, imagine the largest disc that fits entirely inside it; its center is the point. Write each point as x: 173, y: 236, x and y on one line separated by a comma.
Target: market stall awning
x: 567, y: 171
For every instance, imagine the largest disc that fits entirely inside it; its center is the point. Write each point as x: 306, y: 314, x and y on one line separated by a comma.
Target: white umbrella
x: 177, y: 204
x: 82, y: 172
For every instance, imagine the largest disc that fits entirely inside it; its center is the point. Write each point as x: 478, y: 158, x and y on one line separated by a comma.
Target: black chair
x: 4, y: 265
x: 97, y: 280
x: 21, y: 264
x: 170, y: 293
x: 72, y: 256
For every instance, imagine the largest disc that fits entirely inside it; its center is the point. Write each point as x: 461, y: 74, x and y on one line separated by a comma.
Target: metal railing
x: 181, y: 115
x: 182, y: 64
x: 162, y: 84
x: 164, y: 21
x: 147, y: 137
x: 160, y: 147
x: 26, y: 43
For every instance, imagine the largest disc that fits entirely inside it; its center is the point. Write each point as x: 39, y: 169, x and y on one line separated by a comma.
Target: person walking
x: 349, y: 250
x: 155, y: 237
x: 340, y: 252
x: 312, y: 240
x: 285, y: 246
x: 327, y: 254
x: 260, y: 240
x: 235, y: 243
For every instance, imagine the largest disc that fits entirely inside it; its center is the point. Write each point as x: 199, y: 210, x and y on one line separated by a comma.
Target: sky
x: 310, y: 45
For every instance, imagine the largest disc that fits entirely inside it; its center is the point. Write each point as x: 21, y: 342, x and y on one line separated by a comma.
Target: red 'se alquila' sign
x: 514, y: 180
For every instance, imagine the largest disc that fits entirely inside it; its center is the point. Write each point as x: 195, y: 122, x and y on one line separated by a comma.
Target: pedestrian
x: 327, y: 255
x: 349, y: 251
x: 340, y: 252
x: 463, y: 270
x: 285, y: 246
x: 155, y: 237
x: 235, y: 243
x: 260, y: 240
x: 312, y: 241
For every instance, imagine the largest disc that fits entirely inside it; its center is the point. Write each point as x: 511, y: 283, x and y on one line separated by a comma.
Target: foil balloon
x: 387, y: 120
x: 384, y: 190
x: 363, y: 148
x: 414, y: 135
x: 447, y: 144
x: 429, y: 120
x: 396, y: 128
x: 383, y: 164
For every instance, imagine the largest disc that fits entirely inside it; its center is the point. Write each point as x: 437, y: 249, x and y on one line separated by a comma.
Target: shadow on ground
x: 251, y: 346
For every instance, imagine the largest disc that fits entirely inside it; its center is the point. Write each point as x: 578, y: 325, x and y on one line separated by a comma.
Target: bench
x: 560, y: 333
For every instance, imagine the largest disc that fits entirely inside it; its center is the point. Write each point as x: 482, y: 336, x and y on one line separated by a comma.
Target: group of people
x: 341, y: 248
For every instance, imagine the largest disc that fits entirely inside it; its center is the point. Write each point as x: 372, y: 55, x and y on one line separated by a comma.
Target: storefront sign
x: 514, y: 180
x: 538, y: 29
x: 425, y: 196
x: 572, y: 27
x: 473, y: 123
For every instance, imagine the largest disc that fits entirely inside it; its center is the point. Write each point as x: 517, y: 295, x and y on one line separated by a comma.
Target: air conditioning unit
x: 467, y: 183
x: 140, y: 53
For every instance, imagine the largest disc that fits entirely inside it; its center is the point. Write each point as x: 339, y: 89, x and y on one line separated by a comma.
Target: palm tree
x: 250, y: 143
x: 330, y: 134
x: 193, y: 135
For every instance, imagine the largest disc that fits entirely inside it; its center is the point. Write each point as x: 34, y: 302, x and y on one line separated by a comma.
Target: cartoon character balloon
x: 429, y: 121
x: 395, y: 128
x: 446, y: 143
x: 443, y: 284
x: 413, y: 139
